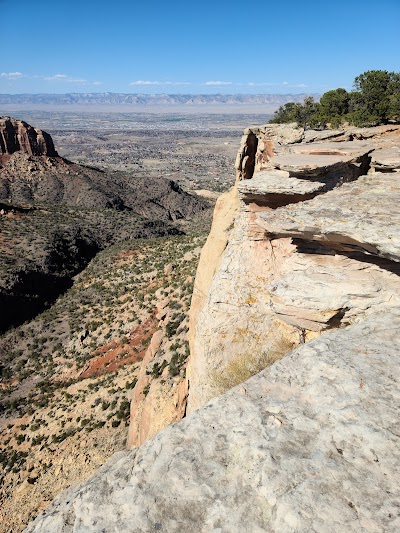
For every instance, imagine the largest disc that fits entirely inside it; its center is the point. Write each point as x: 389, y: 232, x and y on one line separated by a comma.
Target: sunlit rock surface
x: 310, y: 443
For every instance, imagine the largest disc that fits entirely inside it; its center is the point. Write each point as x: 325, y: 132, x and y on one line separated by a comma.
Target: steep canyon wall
x: 303, y: 251
x: 300, y: 275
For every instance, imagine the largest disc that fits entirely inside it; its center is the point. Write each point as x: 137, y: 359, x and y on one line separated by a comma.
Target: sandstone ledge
x: 310, y: 444
x: 275, y: 187
x: 361, y: 215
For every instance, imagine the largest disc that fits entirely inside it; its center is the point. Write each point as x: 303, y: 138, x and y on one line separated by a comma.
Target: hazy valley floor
x: 196, y: 150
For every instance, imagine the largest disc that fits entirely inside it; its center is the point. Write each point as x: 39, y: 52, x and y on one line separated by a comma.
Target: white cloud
x: 69, y: 79
x: 254, y: 84
x: 57, y: 77
x: 11, y: 75
x: 218, y: 83
x: 65, y: 78
x: 146, y: 82
x: 143, y: 82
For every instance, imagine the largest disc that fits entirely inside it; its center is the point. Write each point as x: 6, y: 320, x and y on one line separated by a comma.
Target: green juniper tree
x: 370, y: 103
x: 333, y: 106
x: 375, y: 100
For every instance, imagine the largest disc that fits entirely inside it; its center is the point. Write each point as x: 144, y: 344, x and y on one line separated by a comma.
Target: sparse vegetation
x: 245, y: 365
x: 68, y: 372
x: 375, y: 100
x: 73, y: 368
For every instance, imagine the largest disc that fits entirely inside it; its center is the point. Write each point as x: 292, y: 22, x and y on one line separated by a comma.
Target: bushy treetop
x: 375, y: 100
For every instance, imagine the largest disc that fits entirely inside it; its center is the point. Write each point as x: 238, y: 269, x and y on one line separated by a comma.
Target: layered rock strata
x: 18, y: 136
x: 313, y: 245
x: 156, y: 403
x: 311, y: 442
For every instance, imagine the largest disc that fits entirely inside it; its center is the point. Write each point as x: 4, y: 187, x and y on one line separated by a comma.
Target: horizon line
x: 159, y: 94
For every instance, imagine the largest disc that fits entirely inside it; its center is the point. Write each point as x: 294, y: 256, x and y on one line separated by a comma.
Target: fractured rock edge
x: 332, y: 218
x: 252, y: 296
x: 310, y: 444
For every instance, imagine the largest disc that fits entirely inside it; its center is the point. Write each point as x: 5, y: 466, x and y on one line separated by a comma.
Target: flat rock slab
x: 319, y: 158
x: 351, y: 133
x: 306, y: 163
x: 310, y: 444
x: 362, y: 215
x: 351, y: 149
x: 267, y: 182
x: 386, y: 158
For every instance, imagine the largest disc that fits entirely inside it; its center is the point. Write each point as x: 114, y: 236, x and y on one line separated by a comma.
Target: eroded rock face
x: 314, y: 245
x: 310, y: 444
x: 18, y: 136
x: 360, y: 216
x: 33, y: 174
x: 155, y: 403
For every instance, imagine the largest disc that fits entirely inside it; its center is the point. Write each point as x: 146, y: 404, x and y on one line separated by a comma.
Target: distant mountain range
x: 274, y: 100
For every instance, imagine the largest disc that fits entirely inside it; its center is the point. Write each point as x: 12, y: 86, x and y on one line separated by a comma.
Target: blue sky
x: 175, y: 46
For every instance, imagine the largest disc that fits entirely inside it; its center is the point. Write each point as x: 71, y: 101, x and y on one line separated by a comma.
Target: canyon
x: 89, y: 258
x: 291, y: 382
x: 56, y: 215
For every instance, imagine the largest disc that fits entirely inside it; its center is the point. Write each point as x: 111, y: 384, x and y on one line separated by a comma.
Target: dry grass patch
x: 246, y: 365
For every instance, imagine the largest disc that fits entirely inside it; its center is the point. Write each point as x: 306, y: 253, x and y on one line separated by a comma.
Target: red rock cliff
x: 17, y: 135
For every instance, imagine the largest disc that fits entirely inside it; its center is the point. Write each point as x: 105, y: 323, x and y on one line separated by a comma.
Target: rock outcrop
x: 310, y: 444
x: 155, y: 403
x: 314, y: 245
x: 33, y: 174
x: 18, y: 136
x: 300, y: 274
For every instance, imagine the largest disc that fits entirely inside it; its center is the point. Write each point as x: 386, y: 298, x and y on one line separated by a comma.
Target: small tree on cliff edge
x: 285, y: 114
x: 374, y: 100
x: 307, y: 113
x: 370, y: 103
x: 333, y: 106
x: 394, y: 97
x: 304, y: 114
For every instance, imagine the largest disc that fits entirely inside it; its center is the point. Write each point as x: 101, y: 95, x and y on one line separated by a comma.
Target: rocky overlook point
x: 299, y: 276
